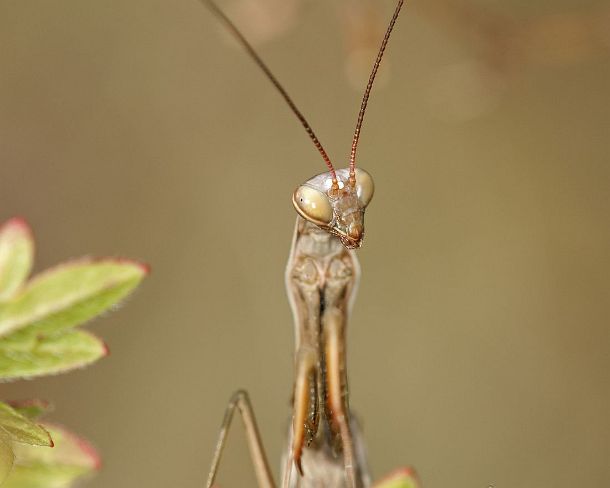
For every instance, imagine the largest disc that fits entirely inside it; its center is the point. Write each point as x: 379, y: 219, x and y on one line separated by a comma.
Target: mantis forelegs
x: 403, y: 478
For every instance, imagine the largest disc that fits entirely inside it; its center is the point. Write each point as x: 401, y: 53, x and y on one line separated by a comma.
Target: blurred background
x: 479, y: 347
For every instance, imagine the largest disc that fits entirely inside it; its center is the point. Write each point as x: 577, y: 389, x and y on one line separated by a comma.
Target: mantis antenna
x: 367, y: 92
x: 261, y: 64
x: 365, y: 98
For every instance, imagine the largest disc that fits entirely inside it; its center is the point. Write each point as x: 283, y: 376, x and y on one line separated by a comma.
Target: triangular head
x: 338, y: 210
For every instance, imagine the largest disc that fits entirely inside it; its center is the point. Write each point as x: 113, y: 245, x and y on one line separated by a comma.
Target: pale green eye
x: 312, y: 205
x: 364, y: 187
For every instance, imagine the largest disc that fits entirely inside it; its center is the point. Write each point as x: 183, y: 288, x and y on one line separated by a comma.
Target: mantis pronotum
x: 324, y: 448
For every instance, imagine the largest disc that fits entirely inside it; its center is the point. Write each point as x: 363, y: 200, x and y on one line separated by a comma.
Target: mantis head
x: 337, y: 210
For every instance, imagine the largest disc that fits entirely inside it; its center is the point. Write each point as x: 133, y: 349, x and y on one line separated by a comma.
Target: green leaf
x: 7, y: 458
x: 401, y: 478
x: 69, y: 295
x: 18, y: 428
x: 37, y: 355
x: 32, y: 409
x: 16, y: 256
x: 40, y: 475
x: 36, y: 467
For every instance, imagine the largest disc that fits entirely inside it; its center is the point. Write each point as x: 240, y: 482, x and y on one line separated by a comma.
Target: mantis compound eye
x: 312, y: 205
x: 364, y: 187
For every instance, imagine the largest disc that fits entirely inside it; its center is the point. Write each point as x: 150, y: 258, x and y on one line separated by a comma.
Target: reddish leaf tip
x: 90, y: 451
x: 18, y: 223
x: 91, y: 457
x: 144, y: 267
x: 404, y: 471
x: 106, y: 349
x: 35, y: 402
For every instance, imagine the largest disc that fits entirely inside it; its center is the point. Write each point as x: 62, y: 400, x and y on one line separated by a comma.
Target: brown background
x: 479, y: 349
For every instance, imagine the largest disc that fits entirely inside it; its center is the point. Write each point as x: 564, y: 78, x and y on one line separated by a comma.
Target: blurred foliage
x: 38, y: 337
x: 401, y: 478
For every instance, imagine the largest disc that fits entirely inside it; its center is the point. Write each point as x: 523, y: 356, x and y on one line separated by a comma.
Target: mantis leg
x: 336, y: 385
x: 241, y: 401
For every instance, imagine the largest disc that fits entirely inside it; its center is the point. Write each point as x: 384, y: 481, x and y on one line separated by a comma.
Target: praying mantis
x: 324, y: 445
